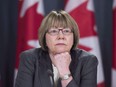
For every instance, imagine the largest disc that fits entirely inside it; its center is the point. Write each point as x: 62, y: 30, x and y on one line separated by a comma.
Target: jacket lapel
x: 46, y: 71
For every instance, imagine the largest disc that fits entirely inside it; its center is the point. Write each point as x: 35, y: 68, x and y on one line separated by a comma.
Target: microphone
x: 50, y: 74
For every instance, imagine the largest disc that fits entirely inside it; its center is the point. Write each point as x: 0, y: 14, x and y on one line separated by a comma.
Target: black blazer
x: 35, y: 69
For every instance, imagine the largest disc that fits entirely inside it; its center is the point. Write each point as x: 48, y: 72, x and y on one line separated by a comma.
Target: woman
x: 58, y: 63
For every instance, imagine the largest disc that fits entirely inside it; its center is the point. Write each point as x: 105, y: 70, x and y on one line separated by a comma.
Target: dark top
x: 35, y: 69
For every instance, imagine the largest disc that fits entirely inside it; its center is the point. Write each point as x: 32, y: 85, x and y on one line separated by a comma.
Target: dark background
x: 8, y: 35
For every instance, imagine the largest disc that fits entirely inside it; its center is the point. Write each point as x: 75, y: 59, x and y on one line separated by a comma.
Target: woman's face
x: 59, y: 40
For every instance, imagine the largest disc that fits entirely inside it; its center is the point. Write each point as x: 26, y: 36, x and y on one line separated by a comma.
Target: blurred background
x: 20, y: 21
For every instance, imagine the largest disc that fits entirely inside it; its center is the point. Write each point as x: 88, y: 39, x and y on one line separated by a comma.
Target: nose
x: 60, y: 35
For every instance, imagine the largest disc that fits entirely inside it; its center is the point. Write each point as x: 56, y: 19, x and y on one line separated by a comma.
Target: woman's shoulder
x: 86, y: 62
x: 86, y: 59
x: 31, y: 53
x: 84, y: 55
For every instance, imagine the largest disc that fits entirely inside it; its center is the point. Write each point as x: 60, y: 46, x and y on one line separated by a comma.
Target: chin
x: 61, y: 51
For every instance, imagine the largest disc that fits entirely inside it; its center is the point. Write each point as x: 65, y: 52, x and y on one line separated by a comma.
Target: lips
x: 60, y: 44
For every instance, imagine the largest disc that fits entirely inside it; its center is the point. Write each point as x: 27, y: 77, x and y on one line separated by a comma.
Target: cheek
x: 71, y: 40
x: 49, y: 41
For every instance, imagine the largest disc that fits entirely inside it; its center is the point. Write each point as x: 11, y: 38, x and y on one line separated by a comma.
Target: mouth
x: 60, y: 44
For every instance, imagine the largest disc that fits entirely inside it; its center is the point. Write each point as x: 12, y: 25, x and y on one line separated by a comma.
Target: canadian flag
x: 30, y: 15
x: 83, y: 12
x: 114, y: 46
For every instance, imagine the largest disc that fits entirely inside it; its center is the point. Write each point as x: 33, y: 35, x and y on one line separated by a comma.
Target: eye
x: 53, y: 31
x: 67, y: 30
